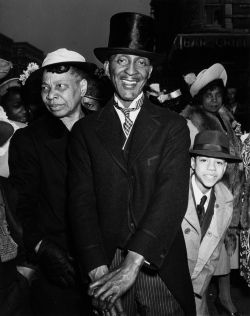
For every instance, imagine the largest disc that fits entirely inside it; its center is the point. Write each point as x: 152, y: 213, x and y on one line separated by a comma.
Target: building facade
x: 194, y: 34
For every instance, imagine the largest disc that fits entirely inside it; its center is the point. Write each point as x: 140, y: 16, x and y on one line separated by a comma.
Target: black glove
x: 56, y: 264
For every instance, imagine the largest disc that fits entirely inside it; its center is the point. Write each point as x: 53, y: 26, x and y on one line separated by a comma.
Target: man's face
x: 231, y: 94
x: 61, y: 93
x: 212, y: 99
x: 128, y: 73
x: 208, y: 171
x: 91, y: 103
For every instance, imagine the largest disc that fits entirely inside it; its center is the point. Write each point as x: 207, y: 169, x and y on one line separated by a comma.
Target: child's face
x: 208, y: 171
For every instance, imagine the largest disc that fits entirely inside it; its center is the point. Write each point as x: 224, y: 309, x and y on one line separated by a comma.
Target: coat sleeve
x: 82, y: 205
x: 24, y: 176
x: 161, y: 223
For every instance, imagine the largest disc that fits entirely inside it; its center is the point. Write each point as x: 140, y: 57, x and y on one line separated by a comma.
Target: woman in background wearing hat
x: 208, y: 112
x: 14, y: 289
x: 11, y: 111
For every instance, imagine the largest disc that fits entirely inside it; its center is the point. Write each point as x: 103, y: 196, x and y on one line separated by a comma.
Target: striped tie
x: 127, y: 125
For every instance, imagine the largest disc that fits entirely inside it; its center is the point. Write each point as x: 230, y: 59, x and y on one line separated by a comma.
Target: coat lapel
x: 191, y: 216
x: 145, y: 126
x: 110, y: 132
x: 220, y: 221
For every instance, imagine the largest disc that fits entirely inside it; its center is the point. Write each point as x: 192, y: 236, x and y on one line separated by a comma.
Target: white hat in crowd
x: 215, y: 72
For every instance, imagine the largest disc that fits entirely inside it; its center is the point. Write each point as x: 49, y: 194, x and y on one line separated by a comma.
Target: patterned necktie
x: 201, y: 209
x: 127, y: 125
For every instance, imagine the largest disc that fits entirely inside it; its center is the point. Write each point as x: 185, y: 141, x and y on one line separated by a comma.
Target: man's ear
x: 150, y: 71
x: 193, y: 163
x: 106, y: 68
x: 83, y: 86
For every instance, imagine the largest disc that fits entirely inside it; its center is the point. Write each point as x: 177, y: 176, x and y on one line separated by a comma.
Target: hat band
x: 211, y: 147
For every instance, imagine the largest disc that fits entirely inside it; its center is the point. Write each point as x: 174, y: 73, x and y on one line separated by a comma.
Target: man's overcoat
x: 133, y: 199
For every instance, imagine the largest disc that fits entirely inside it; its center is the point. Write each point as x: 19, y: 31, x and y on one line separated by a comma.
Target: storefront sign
x: 185, y: 41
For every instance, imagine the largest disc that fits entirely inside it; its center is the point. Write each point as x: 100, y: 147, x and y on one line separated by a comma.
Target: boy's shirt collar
x: 198, y: 194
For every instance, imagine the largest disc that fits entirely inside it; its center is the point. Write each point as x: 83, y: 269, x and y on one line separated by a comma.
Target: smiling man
x: 128, y: 176
x: 38, y: 169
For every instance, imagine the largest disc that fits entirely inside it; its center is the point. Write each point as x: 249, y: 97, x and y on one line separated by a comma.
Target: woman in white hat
x: 208, y: 112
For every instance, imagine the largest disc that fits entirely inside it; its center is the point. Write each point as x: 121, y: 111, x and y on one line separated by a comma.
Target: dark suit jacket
x: 37, y: 161
x: 136, y: 203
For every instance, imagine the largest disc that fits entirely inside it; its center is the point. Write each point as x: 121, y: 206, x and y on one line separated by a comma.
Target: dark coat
x: 37, y: 161
x: 136, y: 199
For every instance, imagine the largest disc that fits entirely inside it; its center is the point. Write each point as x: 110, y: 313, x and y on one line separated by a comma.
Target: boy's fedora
x: 130, y: 33
x: 211, y: 143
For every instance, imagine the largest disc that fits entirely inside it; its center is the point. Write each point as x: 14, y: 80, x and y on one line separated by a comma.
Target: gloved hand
x: 56, y: 264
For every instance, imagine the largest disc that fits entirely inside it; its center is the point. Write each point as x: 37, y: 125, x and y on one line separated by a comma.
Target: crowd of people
x: 117, y: 198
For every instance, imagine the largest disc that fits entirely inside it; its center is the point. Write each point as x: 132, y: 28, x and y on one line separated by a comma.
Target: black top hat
x: 211, y: 143
x: 130, y: 33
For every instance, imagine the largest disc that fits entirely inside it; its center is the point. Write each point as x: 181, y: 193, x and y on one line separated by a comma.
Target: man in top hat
x: 128, y: 179
x: 38, y: 170
x: 209, y: 211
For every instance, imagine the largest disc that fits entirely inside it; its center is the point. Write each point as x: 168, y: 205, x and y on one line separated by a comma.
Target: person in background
x: 238, y: 109
x: 14, y: 288
x: 12, y: 111
x: 209, y: 112
x: 38, y: 171
x: 209, y: 210
x: 128, y: 180
x: 12, y: 101
x: 98, y: 92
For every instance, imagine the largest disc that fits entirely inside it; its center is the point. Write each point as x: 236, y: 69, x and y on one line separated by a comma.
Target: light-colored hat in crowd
x: 5, y: 67
x: 215, y: 72
x: 212, y: 143
x: 62, y: 56
x: 10, y: 83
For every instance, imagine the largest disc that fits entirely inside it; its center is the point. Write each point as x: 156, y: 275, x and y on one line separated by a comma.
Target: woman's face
x: 212, y: 99
x: 15, y: 108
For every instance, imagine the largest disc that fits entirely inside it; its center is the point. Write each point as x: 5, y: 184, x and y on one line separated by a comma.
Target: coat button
x: 209, y: 234
x: 216, y: 205
x: 187, y: 231
x: 132, y: 226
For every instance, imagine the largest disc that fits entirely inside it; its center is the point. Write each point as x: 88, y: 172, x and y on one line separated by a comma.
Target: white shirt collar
x: 198, y: 194
x: 133, y: 103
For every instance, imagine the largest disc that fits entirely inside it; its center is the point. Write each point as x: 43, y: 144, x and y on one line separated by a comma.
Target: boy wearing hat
x: 128, y: 176
x: 209, y: 210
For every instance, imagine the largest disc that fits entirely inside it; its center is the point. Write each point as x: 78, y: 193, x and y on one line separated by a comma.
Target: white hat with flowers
x: 215, y: 72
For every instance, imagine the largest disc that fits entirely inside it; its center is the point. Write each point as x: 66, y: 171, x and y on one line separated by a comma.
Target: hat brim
x: 6, y: 131
x: 215, y: 154
x: 36, y: 76
x: 216, y: 71
x: 104, y: 53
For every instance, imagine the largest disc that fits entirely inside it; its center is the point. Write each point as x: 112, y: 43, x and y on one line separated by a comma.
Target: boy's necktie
x: 201, y: 209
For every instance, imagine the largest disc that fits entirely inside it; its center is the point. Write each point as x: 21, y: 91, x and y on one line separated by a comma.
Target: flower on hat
x: 26, y: 73
x: 190, y: 78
